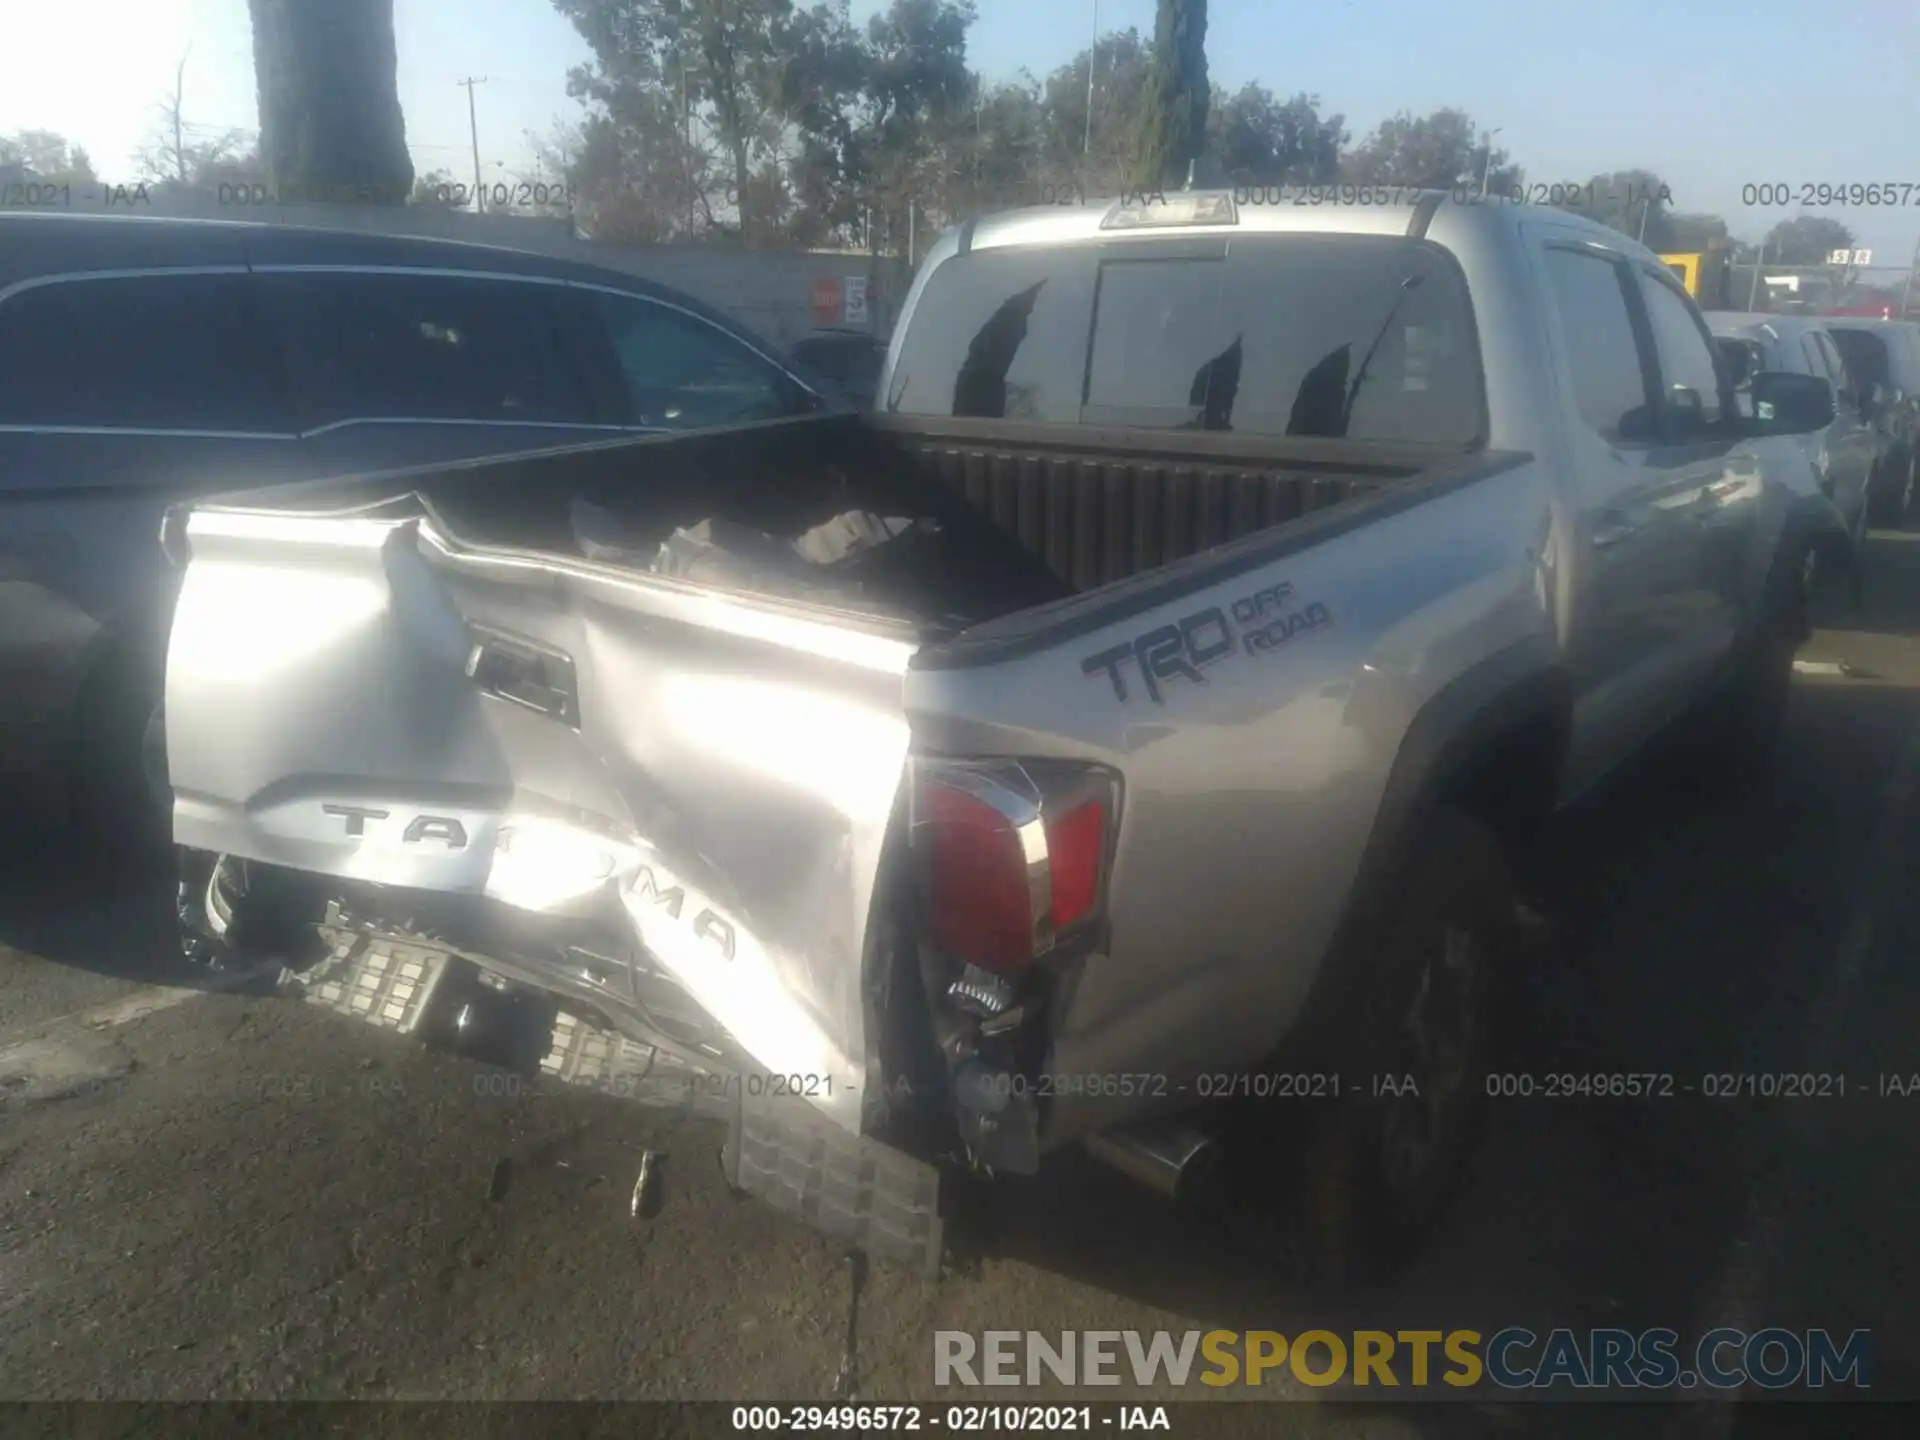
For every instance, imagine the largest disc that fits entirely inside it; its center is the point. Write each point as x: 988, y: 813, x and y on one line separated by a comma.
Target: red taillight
x: 1076, y: 850
x: 1010, y: 861
x: 979, y: 893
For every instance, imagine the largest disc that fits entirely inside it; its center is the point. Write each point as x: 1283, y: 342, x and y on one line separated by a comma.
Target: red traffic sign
x: 826, y: 300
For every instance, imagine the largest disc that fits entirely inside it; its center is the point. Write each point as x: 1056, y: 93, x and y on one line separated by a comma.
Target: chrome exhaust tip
x: 1170, y: 1159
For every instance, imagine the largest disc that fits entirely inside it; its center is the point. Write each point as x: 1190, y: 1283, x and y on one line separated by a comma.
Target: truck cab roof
x: 1352, y: 210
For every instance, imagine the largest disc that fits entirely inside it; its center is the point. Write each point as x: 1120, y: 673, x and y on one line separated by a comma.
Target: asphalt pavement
x: 224, y: 1195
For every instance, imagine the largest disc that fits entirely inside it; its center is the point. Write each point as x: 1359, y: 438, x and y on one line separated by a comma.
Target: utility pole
x: 1906, y: 294
x: 1759, y: 263
x: 1486, y: 160
x: 473, y: 126
x: 1646, y: 209
x: 1093, y: 59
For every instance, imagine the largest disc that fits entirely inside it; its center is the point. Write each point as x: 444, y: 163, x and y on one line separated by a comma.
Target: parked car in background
x: 1886, y: 353
x: 1148, y: 697
x: 848, y: 359
x: 143, y: 361
x: 1846, y: 453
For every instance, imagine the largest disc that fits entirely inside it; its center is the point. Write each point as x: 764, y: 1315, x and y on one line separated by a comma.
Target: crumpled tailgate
x: 360, y: 697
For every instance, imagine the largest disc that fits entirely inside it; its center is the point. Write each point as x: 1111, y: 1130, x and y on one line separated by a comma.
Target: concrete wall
x: 767, y: 290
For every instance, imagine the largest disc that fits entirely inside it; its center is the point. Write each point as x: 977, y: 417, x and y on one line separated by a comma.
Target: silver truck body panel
x: 752, y: 752
x: 1250, y: 800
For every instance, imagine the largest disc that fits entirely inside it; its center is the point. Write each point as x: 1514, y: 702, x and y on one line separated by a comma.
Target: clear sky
x: 1713, y: 94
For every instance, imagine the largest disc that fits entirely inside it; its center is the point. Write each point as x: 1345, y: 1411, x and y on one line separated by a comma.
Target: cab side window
x: 1601, y: 354
x: 1907, y: 377
x: 1689, y: 379
x: 1816, y: 362
x: 1836, y: 363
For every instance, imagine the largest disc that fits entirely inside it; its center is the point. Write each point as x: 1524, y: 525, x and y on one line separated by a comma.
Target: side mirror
x: 1636, y: 425
x: 1788, y: 404
x: 1686, y: 415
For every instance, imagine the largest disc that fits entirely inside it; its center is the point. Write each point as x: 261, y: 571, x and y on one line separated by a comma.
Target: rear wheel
x: 1890, y: 493
x: 1738, y: 732
x: 1384, y: 1165
x: 115, y: 810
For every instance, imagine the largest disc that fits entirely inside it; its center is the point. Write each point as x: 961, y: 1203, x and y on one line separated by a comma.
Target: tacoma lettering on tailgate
x: 707, y: 926
x: 422, y: 827
x: 1261, y: 622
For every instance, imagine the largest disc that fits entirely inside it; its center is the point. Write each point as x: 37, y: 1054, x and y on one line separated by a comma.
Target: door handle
x: 524, y: 673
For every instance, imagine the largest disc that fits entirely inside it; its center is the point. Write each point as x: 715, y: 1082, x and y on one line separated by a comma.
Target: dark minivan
x: 146, y: 361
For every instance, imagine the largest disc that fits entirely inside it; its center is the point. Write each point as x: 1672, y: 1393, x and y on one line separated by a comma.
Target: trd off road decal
x: 1260, y: 623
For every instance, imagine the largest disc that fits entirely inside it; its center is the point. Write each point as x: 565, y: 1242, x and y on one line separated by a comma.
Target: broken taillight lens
x: 1011, y: 863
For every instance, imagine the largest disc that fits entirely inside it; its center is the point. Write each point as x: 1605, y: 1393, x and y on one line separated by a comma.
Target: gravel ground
x: 237, y: 1196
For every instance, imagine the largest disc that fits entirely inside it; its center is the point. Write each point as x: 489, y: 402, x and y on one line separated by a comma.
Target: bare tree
x: 173, y: 161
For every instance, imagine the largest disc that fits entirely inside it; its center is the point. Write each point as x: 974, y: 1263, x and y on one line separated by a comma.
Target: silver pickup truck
x: 1113, y: 740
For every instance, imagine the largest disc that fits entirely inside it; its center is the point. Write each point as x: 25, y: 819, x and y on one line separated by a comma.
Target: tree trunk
x: 741, y: 176
x: 1174, y: 120
x: 331, y: 128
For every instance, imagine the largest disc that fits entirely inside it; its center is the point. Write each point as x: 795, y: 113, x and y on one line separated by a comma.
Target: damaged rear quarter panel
x: 759, y: 757
x: 1253, y: 778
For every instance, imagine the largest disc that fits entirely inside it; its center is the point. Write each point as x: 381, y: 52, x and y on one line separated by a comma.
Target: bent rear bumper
x: 856, y: 1190
x: 506, y: 1009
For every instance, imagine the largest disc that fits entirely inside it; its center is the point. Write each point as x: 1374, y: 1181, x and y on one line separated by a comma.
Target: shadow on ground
x: 1890, y: 598
x: 70, y: 903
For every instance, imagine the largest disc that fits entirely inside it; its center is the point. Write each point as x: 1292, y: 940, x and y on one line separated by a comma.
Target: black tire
x: 114, y: 808
x: 1382, y: 1171
x: 1890, y: 494
x: 232, y: 913
x: 1737, y: 733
